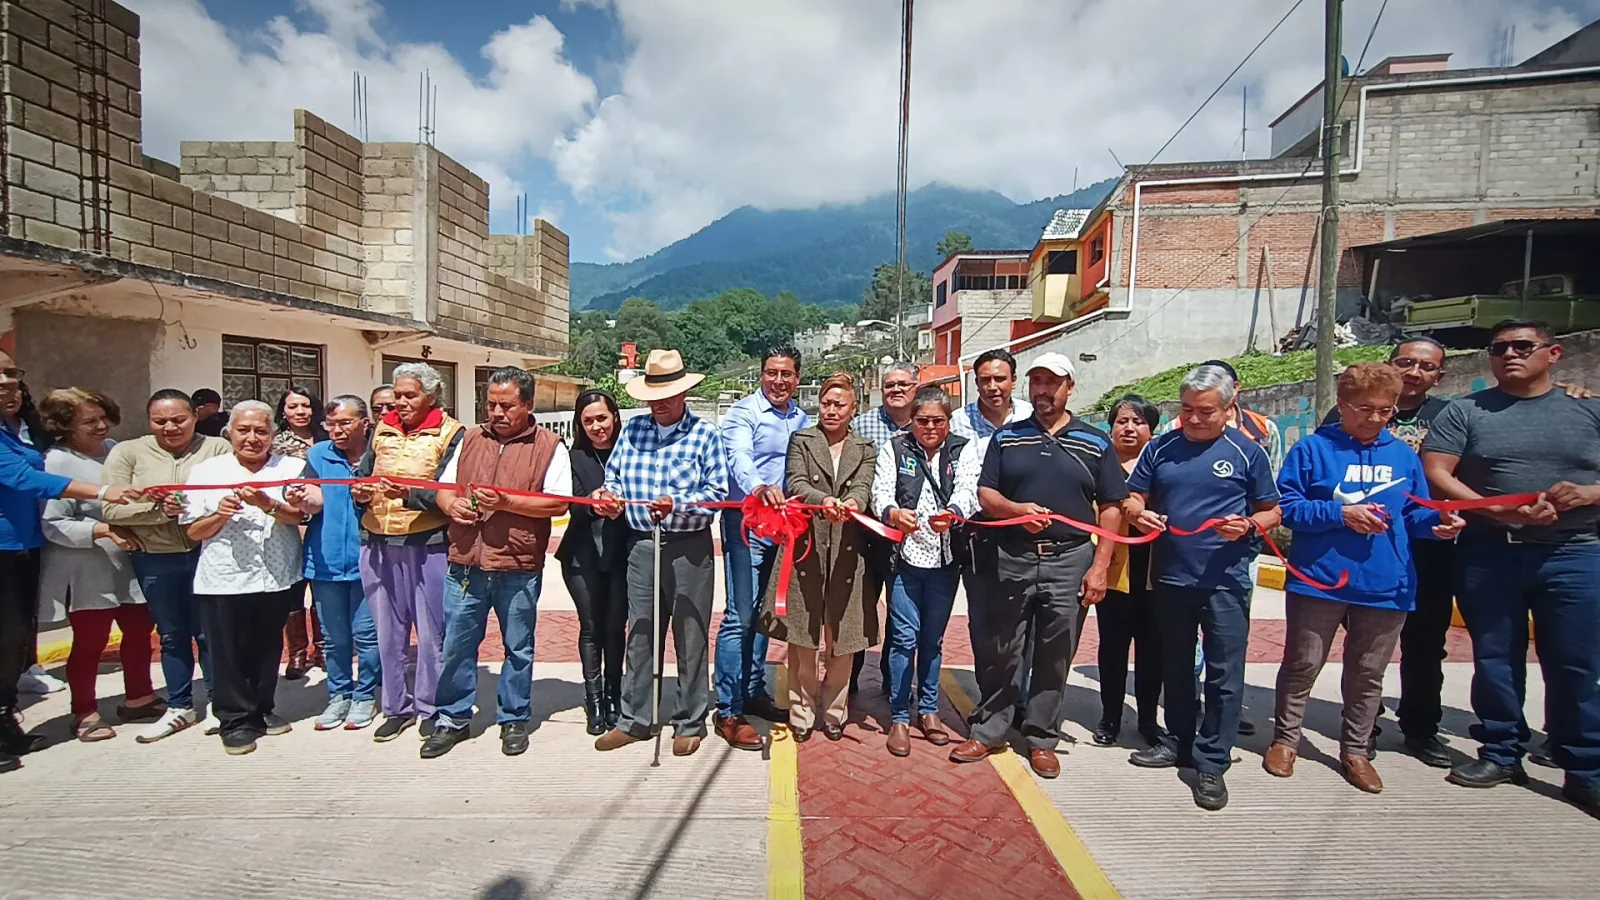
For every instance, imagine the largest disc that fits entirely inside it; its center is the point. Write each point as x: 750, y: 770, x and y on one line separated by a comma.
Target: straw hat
x: 663, y: 377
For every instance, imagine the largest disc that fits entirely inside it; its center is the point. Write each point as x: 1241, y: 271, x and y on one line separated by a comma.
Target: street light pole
x: 1328, y: 281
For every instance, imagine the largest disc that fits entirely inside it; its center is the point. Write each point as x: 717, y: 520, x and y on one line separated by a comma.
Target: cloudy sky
x: 632, y: 123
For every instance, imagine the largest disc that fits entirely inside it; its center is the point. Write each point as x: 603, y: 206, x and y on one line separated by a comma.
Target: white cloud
x: 792, y: 104
x: 202, y: 83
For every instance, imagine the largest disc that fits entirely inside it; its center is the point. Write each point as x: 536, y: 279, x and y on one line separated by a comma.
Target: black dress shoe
x: 1159, y: 756
x: 1210, y: 793
x: 441, y: 741
x: 833, y: 732
x: 1105, y: 734
x: 1542, y: 757
x: 1481, y: 773
x: 513, y: 738
x: 1247, y: 728
x: 1152, y: 734
x: 1584, y: 798
x: 801, y: 735
x: 764, y: 707
x: 1431, y: 751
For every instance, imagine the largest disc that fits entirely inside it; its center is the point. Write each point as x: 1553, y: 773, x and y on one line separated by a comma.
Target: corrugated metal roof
x: 1065, y: 224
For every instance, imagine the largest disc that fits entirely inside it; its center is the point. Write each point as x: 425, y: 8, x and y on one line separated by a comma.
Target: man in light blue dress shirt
x: 755, y: 433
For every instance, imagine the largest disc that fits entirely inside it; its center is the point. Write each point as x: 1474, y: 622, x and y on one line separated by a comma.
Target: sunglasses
x: 1406, y: 363
x: 930, y: 421
x: 1520, y: 348
x: 382, y: 407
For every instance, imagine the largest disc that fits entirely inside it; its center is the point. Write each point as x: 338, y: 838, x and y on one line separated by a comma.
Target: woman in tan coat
x: 831, y: 603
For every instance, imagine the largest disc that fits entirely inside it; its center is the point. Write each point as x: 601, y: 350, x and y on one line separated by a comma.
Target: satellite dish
x: 1344, y: 66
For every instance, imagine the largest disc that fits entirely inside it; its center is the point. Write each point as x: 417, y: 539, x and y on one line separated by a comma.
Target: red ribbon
x: 1508, y: 500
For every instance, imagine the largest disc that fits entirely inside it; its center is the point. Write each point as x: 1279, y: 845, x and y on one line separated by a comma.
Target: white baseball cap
x: 1056, y: 364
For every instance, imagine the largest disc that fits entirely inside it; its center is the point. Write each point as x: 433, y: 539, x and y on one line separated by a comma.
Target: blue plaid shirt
x: 876, y: 426
x: 684, y: 461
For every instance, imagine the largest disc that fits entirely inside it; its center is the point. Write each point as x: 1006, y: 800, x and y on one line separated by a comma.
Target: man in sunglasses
x: 1525, y: 435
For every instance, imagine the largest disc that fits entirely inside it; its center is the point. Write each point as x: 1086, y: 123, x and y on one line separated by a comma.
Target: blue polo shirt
x: 23, y: 483
x: 1190, y: 482
x: 333, y: 538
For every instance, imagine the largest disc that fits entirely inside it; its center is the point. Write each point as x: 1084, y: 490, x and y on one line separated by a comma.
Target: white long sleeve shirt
x: 924, y: 548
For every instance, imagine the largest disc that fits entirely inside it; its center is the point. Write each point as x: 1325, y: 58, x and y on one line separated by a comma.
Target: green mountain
x: 824, y: 255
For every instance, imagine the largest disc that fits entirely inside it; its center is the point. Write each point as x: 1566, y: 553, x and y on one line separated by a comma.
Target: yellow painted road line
x: 55, y: 651
x: 1090, y: 881
x: 786, y: 868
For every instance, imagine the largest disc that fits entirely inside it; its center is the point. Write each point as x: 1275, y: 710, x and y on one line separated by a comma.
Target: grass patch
x: 1255, y: 370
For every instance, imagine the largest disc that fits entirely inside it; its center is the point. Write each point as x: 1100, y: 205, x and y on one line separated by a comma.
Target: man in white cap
x: 1047, y: 574
x: 672, y: 459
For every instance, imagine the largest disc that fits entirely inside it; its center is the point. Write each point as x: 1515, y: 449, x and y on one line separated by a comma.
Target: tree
x: 881, y: 301
x: 954, y: 242
x: 699, y: 333
x: 642, y: 322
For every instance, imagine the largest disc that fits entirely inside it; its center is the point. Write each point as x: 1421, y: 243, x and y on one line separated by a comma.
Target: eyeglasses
x: 899, y: 385
x: 13, y: 373
x: 1422, y: 365
x: 931, y: 421
x: 382, y: 407
x: 1370, y: 411
x: 1520, y: 348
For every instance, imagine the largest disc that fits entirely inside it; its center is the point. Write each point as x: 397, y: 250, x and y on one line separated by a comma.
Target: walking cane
x: 655, y: 646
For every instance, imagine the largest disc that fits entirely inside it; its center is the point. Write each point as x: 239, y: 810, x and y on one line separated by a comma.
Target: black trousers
x: 1035, y: 594
x: 1422, y: 639
x: 245, y: 633
x: 19, y: 618
x: 602, y: 601
x: 1129, y: 619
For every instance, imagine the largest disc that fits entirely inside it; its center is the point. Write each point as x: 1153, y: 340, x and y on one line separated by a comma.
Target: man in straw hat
x: 672, y: 459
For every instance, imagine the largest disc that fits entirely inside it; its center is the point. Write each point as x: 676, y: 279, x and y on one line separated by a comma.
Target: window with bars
x: 447, y: 377
x: 256, y: 369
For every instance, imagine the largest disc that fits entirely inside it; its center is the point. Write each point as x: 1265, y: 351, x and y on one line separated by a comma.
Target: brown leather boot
x: 1358, y: 771
x: 294, y: 633
x: 1280, y: 760
x: 315, y: 657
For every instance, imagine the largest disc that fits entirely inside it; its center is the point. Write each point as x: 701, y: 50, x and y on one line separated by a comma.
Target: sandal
x: 149, y: 712
x: 91, y: 729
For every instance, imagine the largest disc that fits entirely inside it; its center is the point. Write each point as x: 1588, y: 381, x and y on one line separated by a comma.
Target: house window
x: 447, y: 375
x: 939, y: 293
x: 1097, y: 249
x: 1013, y: 281
x: 480, y: 391
x: 1062, y: 262
x: 254, y: 369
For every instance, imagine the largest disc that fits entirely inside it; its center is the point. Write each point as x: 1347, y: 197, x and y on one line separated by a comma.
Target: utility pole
x: 904, y: 166
x: 1328, y: 280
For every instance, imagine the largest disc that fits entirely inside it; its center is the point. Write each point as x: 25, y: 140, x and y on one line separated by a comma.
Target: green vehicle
x: 1556, y: 299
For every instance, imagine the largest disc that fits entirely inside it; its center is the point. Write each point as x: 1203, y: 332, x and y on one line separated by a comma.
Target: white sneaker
x: 172, y: 722
x: 37, y: 681
x: 213, y: 725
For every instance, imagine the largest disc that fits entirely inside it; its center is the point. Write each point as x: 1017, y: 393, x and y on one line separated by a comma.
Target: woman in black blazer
x: 593, y: 563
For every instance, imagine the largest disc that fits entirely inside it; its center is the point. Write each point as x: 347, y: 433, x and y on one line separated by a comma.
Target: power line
x: 1213, y: 94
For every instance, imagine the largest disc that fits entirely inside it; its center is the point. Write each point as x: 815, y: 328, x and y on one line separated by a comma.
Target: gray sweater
x: 94, y: 574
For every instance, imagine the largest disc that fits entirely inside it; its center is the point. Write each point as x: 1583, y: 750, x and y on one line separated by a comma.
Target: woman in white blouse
x: 87, y: 577
x: 922, y: 482
x: 248, y: 577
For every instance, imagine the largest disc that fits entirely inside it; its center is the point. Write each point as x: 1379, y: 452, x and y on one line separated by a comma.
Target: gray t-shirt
x: 1512, y: 445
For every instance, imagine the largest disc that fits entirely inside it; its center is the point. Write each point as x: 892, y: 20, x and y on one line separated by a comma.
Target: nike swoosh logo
x: 1362, y: 496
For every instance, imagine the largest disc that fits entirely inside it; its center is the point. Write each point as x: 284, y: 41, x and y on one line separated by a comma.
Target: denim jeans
x: 469, y: 594
x: 167, y: 581
x: 1500, y: 584
x: 1223, y: 620
x: 348, y: 630
x: 741, y: 656
x: 919, y: 609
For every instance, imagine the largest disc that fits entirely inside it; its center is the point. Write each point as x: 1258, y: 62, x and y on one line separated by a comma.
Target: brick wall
x: 400, y: 229
x: 257, y: 174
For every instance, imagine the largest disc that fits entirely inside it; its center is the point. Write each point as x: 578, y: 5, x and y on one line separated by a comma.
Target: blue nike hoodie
x: 1328, y: 470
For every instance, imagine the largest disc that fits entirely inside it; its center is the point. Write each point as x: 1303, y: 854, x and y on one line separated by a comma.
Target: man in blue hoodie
x: 1348, y: 496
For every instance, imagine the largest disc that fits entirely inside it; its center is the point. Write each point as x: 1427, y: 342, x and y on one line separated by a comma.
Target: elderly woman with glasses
x: 403, y: 561
x: 248, y: 574
x: 1349, y: 495
x: 922, y: 482
x: 87, y: 577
